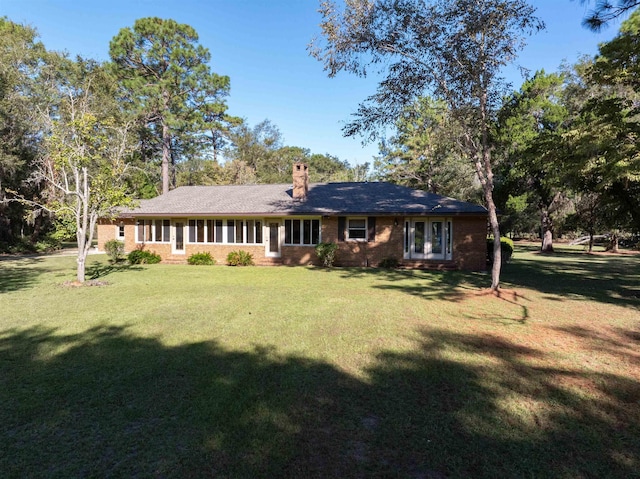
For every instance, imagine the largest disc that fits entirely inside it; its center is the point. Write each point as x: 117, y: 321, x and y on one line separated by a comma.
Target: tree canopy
x: 452, y: 51
x: 168, y: 83
x: 605, y: 11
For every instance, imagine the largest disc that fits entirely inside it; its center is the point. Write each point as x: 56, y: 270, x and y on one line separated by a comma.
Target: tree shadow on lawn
x: 17, y: 274
x: 424, y: 284
x: 99, y: 269
x: 617, y: 342
x: 107, y: 403
x: 611, y: 280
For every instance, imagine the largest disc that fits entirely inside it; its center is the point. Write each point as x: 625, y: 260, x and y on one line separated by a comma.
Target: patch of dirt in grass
x: 78, y: 284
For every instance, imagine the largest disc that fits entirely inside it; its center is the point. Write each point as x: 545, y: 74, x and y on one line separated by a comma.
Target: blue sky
x: 261, y: 46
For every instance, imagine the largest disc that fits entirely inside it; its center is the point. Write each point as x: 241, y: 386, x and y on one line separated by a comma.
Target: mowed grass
x: 183, y: 371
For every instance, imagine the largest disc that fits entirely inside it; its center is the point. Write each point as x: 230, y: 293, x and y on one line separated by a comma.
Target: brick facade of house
x: 468, y: 243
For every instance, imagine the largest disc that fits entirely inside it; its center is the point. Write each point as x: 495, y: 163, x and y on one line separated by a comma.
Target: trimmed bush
x: 140, y: 256
x: 389, y: 263
x: 327, y: 253
x: 114, y: 249
x: 201, y: 259
x: 240, y: 258
x: 506, y: 249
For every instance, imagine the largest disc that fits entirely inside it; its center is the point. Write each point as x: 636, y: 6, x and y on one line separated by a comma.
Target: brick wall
x: 388, y: 243
x: 470, y: 243
x: 107, y: 231
x: 469, y: 246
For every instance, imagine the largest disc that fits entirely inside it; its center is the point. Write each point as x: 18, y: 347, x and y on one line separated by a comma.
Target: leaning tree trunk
x: 497, y: 247
x: 482, y: 163
x: 485, y: 174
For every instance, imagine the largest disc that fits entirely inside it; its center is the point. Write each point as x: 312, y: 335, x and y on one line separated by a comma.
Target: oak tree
x: 451, y: 50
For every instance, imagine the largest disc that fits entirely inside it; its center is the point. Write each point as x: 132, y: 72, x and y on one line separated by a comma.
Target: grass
x: 182, y: 371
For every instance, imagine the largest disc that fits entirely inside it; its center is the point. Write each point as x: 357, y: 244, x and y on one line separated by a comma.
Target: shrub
x: 201, y: 259
x: 114, y: 249
x: 140, y: 256
x: 389, y: 263
x: 240, y: 258
x: 327, y: 253
x: 47, y: 245
x: 506, y: 249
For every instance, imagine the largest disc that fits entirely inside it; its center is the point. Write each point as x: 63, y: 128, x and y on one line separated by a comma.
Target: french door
x: 427, y: 238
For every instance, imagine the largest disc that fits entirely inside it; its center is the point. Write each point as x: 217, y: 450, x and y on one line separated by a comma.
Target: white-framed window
x: 305, y: 232
x: 225, y: 231
x: 357, y: 229
x: 120, y: 231
x: 153, y: 231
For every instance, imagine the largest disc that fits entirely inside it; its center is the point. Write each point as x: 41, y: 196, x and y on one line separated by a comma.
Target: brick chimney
x: 300, y: 180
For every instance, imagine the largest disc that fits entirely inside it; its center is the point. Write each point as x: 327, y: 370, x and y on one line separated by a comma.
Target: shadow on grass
x: 424, y: 284
x: 19, y: 274
x: 107, y: 403
x: 606, y: 279
x: 99, y: 269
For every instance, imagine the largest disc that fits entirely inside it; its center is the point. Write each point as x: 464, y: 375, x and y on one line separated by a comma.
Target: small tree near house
x: 84, y: 171
x: 83, y: 163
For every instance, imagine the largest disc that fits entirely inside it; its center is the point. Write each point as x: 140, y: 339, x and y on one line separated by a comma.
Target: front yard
x: 183, y: 371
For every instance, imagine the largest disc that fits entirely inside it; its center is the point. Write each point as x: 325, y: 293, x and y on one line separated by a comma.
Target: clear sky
x: 261, y: 45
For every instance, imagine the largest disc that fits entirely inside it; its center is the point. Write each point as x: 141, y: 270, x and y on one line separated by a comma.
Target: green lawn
x: 186, y: 372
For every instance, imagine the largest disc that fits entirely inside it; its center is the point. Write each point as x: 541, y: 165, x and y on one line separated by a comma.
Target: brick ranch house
x: 281, y: 224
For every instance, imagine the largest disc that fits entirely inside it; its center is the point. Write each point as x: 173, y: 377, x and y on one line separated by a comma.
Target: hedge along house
x: 281, y: 224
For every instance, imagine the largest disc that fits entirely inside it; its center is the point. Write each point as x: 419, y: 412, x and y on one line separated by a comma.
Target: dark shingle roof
x: 322, y: 199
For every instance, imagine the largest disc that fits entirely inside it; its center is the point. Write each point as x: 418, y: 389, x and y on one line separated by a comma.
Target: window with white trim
x: 357, y: 229
x: 229, y: 231
x: 304, y: 232
x: 153, y: 231
x: 120, y: 231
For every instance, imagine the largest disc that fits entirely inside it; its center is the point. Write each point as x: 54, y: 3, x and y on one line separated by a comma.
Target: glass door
x: 428, y: 239
x: 273, y: 243
x: 178, y: 238
x: 436, y: 245
x: 419, y: 239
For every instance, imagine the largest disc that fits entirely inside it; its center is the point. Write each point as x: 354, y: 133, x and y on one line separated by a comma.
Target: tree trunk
x: 80, y: 274
x: 613, y: 245
x: 547, y: 231
x: 495, y: 230
x: 82, y: 213
x: 485, y: 173
x: 166, y: 156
